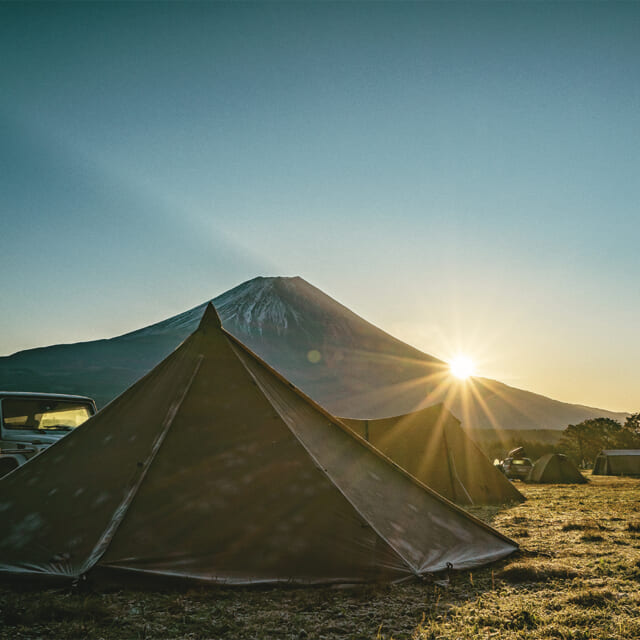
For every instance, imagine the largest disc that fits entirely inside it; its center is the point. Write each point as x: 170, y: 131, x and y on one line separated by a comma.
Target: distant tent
x: 617, y: 462
x: 432, y: 446
x: 213, y: 467
x: 555, y: 468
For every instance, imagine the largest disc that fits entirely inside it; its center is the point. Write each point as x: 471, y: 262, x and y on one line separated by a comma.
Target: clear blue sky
x: 463, y: 175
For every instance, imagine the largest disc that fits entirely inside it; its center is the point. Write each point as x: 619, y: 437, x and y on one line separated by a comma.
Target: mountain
x: 342, y: 361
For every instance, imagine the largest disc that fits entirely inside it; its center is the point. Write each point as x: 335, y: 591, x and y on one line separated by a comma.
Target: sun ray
x: 484, y: 406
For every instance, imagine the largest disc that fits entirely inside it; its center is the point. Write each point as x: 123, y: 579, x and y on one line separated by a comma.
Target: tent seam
x: 336, y: 421
x: 413, y: 569
x: 119, y: 514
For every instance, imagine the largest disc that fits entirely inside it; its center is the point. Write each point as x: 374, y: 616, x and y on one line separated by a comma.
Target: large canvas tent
x: 432, y: 446
x: 555, y: 468
x: 617, y: 462
x: 213, y: 467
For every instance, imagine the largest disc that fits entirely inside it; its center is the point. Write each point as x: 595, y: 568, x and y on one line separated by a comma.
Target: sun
x: 462, y: 367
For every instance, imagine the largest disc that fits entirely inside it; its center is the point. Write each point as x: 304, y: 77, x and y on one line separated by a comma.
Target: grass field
x: 577, y: 577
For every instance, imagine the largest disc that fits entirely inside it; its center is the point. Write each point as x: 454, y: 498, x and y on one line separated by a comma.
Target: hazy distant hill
x: 345, y: 363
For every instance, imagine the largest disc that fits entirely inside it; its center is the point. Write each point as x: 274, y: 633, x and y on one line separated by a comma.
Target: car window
x: 36, y: 414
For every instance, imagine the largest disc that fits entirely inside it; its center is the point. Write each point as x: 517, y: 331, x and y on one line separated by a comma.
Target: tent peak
x: 210, y: 318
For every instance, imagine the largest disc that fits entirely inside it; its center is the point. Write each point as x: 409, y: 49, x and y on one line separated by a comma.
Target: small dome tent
x: 555, y: 468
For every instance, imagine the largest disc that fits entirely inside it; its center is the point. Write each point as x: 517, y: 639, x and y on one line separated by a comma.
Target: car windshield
x: 39, y: 414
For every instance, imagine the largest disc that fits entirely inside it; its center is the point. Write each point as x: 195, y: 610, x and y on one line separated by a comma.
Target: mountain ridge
x: 345, y: 363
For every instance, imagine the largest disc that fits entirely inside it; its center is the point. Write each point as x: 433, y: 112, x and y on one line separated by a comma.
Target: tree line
x: 583, y: 442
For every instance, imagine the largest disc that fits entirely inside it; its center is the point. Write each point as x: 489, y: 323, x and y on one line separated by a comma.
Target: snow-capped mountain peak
x: 256, y: 305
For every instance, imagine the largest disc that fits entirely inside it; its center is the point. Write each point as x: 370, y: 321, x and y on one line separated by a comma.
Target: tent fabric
x: 432, y: 446
x: 213, y: 467
x: 555, y: 468
x: 617, y: 462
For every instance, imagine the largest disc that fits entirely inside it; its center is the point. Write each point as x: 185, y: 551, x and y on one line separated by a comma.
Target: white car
x: 31, y: 422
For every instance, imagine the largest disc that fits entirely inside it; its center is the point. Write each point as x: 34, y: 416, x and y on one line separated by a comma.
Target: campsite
x: 354, y: 533
x: 385, y: 528
x: 577, y: 577
x: 320, y: 320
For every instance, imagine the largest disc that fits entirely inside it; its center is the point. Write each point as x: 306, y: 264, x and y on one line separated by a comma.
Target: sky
x: 463, y: 175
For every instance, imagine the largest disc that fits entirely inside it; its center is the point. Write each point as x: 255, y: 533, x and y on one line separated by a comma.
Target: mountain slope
x: 343, y: 362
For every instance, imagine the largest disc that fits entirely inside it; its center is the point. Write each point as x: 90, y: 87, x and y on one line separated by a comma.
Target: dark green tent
x: 213, y: 467
x: 555, y: 468
x: 617, y: 462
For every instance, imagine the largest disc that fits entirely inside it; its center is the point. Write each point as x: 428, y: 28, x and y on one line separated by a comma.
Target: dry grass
x: 577, y: 578
x: 535, y: 571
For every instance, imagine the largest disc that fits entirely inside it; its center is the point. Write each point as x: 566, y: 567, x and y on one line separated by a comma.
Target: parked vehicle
x: 31, y: 422
x: 516, y: 468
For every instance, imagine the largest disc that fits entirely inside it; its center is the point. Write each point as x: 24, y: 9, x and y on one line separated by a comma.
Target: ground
x: 577, y: 577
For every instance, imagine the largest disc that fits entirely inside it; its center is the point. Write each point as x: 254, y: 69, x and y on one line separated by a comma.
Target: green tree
x: 582, y: 442
x: 632, y: 423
